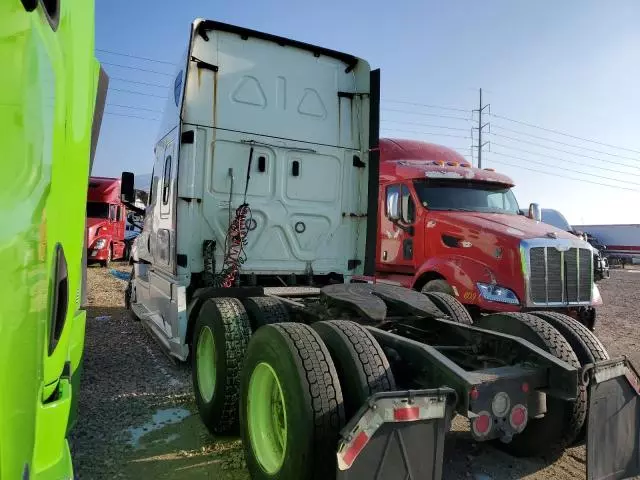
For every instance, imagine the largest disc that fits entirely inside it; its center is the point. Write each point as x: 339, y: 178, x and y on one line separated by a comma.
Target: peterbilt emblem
x: 552, y: 235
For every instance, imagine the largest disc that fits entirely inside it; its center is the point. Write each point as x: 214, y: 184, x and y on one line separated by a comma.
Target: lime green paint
x: 47, y: 95
x: 267, y: 416
x: 206, y: 364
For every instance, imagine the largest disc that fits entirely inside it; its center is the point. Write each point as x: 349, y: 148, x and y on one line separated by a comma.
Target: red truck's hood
x: 93, y: 224
x: 516, y: 226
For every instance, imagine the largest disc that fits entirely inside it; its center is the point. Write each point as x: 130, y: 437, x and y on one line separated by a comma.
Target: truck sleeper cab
x: 446, y: 226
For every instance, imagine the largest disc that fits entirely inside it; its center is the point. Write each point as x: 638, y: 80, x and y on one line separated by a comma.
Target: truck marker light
x: 405, y: 414
x: 525, y: 387
x: 387, y: 410
x: 355, y: 448
x: 481, y: 425
x: 474, y: 394
x: 518, y: 417
x: 500, y: 404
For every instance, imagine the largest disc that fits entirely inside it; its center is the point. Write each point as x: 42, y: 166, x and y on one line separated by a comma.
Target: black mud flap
x: 397, y: 435
x: 613, y: 436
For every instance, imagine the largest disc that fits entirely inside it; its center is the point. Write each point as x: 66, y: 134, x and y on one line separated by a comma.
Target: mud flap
x: 613, y: 435
x: 397, y: 435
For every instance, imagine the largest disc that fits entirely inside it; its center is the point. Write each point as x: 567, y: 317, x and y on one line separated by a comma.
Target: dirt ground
x: 138, y: 419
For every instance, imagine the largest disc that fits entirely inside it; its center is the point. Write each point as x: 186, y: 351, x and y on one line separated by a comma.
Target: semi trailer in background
x: 52, y: 95
x: 622, y: 242
x: 445, y: 226
x: 262, y: 216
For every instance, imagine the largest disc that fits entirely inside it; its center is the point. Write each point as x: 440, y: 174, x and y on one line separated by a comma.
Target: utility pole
x: 481, y: 127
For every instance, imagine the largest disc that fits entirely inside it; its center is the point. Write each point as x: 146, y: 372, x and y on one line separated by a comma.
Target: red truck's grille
x: 560, y: 276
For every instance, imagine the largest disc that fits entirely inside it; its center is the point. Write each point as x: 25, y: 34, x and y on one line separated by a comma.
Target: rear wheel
x: 265, y: 311
x: 563, y: 421
x: 449, y: 305
x: 291, y: 407
x: 583, y: 341
x: 363, y: 368
x: 437, y: 285
x: 219, y: 346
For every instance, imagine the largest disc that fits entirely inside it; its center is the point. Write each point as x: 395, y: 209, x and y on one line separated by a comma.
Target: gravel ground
x: 138, y: 418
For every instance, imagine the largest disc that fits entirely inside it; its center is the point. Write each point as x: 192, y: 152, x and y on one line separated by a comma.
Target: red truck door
x: 397, y: 230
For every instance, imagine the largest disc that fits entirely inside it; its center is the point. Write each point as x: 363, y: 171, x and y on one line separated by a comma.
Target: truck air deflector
x: 245, y: 33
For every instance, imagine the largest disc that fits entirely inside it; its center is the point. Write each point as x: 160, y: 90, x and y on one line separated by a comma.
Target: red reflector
x: 482, y: 424
x: 518, y: 416
x: 355, y: 448
x: 525, y: 387
x: 474, y: 393
x: 406, y: 414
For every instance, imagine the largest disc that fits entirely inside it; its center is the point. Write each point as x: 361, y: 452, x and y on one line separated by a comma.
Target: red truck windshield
x: 97, y: 210
x: 466, y: 196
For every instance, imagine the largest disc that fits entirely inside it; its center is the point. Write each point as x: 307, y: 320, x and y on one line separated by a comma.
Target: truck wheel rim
x: 267, y: 417
x: 206, y: 364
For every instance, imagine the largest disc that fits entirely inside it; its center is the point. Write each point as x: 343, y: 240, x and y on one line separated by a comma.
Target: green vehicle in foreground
x: 52, y: 93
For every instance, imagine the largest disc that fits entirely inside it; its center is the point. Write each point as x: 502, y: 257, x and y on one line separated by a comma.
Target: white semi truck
x: 262, y: 214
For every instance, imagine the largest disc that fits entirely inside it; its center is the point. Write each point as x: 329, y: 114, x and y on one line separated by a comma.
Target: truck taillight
x: 518, y: 417
x: 481, y: 425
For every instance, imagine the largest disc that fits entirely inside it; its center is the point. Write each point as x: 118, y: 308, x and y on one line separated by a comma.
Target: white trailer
x: 622, y: 241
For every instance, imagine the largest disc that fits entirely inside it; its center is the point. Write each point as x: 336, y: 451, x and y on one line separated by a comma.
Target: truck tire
x: 363, y: 368
x: 107, y: 262
x: 583, y: 341
x: 437, y: 285
x: 130, y: 295
x: 449, y: 305
x: 563, y: 421
x: 219, y: 345
x: 265, y: 311
x: 291, y: 409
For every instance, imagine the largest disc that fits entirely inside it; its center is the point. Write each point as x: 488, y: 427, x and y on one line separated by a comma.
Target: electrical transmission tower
x: 480, y: 128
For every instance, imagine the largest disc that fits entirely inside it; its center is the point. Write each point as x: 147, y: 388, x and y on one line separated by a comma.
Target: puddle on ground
x: 159, y: 420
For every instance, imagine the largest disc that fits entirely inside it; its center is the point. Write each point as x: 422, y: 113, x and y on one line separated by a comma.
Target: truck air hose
x: 236, y: 239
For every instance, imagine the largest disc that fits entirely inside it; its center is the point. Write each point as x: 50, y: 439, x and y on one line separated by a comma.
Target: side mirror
x: 393, y: 209
x: 127, y: 189
x: 535, y: 212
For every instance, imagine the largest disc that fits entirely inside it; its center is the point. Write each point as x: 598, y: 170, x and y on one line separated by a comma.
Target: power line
x: 134, y: 56
x: 134, y: 108
x: 426, y: 125
x: 550, y: 130
x: 136, y: 68
x: 564, y: 176
x: 551, y: 157
x: 139, y: 83
x: 136, y: 93
x: 427, y: 133
x: 563, y: 151
x: 131, y: 116
x: 451, y: 117
x: 565, y: 144
x: 403, y: 102
x: 565, y: 169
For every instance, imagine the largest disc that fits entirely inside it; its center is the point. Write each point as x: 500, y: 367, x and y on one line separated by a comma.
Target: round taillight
x: 518, y: 417
x: 481, y: 425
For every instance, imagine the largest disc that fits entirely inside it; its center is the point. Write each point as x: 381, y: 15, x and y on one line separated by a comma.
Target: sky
x: 569, y: 67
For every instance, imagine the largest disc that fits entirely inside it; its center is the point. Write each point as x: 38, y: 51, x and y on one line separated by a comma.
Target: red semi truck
x: 106, y: 218
x: 445, y: 226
